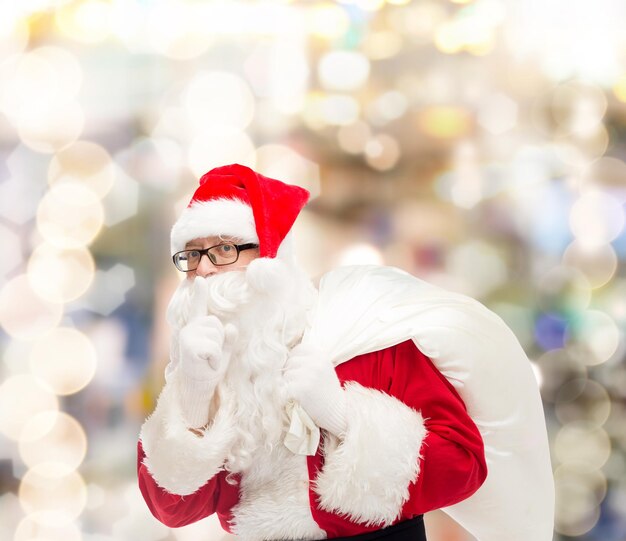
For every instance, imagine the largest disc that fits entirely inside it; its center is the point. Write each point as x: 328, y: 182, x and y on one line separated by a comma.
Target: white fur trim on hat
x: 227, y: 217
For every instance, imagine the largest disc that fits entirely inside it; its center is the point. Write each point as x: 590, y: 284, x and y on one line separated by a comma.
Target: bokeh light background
x: 477, y: 144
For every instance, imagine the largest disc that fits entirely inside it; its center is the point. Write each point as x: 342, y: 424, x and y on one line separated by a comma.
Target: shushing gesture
x: 205, y: 350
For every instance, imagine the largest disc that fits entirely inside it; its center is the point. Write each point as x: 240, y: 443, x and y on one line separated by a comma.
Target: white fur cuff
x: 367, y: 473
x: 179, y: 461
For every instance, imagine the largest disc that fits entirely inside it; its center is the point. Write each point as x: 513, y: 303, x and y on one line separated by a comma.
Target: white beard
x: 269, y: 303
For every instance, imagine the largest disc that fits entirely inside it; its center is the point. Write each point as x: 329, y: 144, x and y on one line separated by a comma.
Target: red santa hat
x: 235, y: 201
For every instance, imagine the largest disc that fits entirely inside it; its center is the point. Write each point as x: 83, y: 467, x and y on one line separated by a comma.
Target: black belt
x: 409, y: 530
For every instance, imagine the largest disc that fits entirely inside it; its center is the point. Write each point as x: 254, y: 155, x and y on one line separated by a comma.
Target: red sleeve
x: 453, y: 463
x: 173, y: 510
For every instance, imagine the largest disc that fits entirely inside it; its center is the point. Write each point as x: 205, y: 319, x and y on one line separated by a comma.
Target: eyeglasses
x: 226, y: 253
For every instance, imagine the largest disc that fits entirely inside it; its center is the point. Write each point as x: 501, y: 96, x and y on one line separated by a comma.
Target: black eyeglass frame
x: 239, y: 247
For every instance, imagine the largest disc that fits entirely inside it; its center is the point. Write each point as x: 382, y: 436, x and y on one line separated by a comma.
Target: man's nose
x: 206, y: 267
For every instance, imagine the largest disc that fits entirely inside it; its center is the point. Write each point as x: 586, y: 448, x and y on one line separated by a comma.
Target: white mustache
x: 249, y: 296
x: 228, y: 292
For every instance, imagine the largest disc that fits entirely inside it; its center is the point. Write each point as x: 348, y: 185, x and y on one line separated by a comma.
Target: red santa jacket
x: 410, y: 448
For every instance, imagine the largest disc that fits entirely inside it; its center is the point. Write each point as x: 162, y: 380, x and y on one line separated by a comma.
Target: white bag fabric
x: 367, y: 308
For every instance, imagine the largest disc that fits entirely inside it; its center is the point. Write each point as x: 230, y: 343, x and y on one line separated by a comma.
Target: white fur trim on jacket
x: 274, y: 498
x: 228, y: 217
x: 178, y: 460
x: 367, y: 473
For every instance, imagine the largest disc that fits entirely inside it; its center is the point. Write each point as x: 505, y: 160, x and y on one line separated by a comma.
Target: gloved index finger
x: 199, y: 298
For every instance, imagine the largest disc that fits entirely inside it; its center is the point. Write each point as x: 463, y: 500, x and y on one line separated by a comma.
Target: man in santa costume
x: 296, y: 413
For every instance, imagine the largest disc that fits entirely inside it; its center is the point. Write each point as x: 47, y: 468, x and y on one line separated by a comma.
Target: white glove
x: 205, y: 347
x: 311, y: 380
